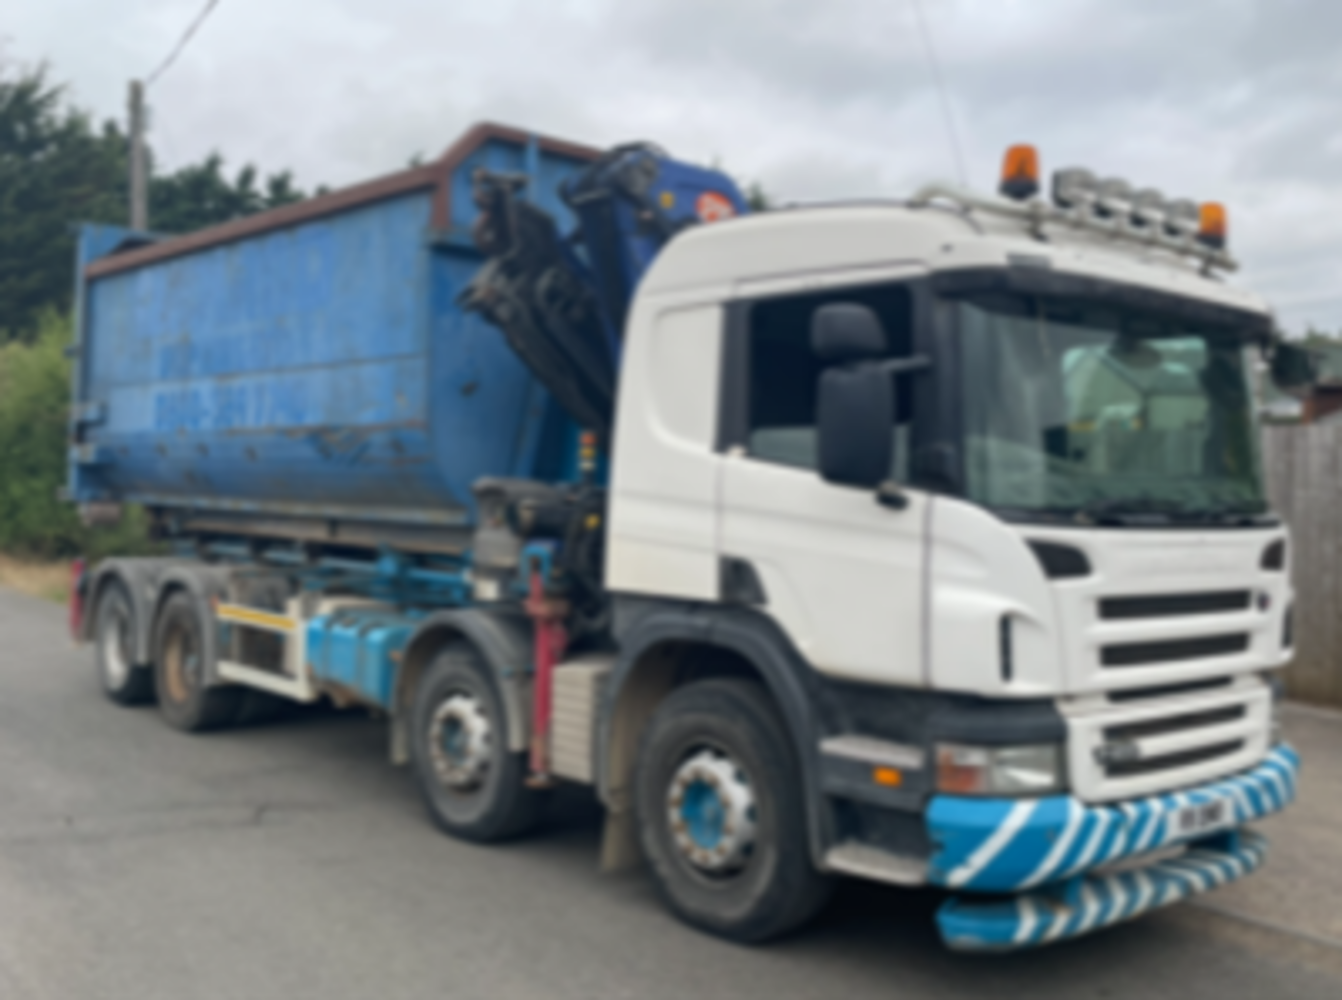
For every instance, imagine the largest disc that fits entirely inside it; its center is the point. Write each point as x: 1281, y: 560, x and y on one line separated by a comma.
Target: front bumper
x: 1081, y: 905
x: 1015, y: 845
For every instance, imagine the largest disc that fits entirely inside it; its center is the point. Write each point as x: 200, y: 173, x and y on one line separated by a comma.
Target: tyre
x: 720, y: 813
x: 180, y: 670
x: 473, y: 786
x: 123, y: 680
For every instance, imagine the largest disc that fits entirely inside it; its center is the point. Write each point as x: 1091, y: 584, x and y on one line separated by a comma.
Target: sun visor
x: 1045, y: 281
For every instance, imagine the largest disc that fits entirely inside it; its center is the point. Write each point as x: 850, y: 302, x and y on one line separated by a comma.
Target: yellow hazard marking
x: 250, y: 616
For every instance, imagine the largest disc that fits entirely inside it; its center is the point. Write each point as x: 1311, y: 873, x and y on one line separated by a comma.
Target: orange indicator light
x: 1212, y: 224
x: 1020, y: 173
x: 888, y: 777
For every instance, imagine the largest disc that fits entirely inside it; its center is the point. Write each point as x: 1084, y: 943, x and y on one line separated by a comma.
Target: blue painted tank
x: 312, y: 362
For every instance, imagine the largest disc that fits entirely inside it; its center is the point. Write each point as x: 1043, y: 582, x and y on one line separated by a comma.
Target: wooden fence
x: 1303, y: 464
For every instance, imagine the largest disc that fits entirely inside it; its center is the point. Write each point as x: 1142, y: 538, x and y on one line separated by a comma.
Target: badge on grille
x: 1118, y: 752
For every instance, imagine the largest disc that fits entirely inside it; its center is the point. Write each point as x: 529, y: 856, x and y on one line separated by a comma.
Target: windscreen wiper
x: 1131, y: 511
x: 1244, y: 515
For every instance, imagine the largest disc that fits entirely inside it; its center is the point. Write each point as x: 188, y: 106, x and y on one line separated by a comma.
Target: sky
x: 1238, y: 101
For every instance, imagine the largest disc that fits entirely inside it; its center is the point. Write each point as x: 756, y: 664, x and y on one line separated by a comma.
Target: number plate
x: 1203, y: 817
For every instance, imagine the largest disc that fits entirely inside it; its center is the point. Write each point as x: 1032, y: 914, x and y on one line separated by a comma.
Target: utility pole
x: 139, y: 180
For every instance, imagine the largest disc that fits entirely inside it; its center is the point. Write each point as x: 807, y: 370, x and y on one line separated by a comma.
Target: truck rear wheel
x: 181, y: 674
x: 472, y: 784
x: 721, y: 816
x: 123, y: 680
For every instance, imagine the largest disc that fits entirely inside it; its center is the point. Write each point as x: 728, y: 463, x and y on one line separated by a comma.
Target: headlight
x: 1023, y: 771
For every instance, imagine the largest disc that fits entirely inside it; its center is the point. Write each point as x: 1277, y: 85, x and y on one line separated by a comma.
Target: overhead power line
x: 947, y: 113
x: 181, y: 42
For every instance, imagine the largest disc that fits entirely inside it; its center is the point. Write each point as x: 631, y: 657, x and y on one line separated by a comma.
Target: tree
x: 34, y: 428
x: 55, y: 168
x: 200, y: 195
x: 58, y: 169
x: 1321, y: 338
x: 757, y: 198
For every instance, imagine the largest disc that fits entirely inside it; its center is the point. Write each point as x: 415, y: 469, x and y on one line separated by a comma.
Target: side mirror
x: 1292, y: 368
x: 855, y: 405
x: 855, y: 417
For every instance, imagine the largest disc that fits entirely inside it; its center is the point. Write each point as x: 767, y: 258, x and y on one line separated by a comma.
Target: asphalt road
x: 293, y: 861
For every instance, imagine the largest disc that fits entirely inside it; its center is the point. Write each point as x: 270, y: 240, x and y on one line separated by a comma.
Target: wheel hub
x: 460, y: 742
x: 182, y: 665
x: 711, y: 809
x: 115, y: 644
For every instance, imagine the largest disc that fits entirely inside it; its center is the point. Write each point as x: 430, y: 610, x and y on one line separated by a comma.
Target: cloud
x: 1227, y: 99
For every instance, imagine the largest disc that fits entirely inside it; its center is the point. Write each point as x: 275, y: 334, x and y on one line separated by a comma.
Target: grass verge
x: 48, y: 579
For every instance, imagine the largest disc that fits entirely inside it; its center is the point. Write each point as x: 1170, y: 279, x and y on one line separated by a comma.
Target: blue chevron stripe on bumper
x: 1012, y: 845
x: 1081, y: 905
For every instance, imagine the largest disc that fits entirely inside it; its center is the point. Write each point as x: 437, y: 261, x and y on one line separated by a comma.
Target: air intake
x: 1133, y: 654
x: 1060, y: 562
x: 1175, y: 605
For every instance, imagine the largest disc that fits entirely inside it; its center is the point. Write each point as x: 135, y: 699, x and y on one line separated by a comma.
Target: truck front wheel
x: 473, y: 785
x: 123, y: 680
x: 721, y: 816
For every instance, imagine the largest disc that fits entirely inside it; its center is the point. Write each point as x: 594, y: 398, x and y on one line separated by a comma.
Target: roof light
x: 1181, y: 218
x: 1020, y: 173
x: 1074, y: 187
x: 1114, y: 198
x: 1212, y: 225
x: 1148, y: 209
x: 1108, y: 208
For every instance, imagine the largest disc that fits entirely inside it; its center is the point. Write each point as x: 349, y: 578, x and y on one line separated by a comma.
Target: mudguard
x: 504, y: 640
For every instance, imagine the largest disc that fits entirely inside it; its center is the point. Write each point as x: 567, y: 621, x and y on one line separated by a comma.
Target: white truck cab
x: 989, y: 469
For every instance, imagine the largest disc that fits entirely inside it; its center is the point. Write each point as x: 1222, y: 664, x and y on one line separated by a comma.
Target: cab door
x: 840, y: 573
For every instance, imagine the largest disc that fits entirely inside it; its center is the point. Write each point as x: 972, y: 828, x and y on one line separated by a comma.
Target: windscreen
x: 1075, y: 409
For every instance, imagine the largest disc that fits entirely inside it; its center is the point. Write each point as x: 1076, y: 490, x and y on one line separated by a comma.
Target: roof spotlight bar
x: 1104, y: 207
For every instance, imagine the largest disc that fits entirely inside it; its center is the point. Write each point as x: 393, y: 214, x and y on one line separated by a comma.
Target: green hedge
x: 34, y: 415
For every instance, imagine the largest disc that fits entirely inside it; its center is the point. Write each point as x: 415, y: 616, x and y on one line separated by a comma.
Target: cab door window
x: 783, y: 373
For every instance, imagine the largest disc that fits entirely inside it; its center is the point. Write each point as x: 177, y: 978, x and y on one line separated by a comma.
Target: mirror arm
x: 888, y: 494
x: 901, y: 366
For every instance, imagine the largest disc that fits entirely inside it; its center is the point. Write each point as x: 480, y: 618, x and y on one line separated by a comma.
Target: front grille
x: 1184, y: 758
x: 1174, y: 605
x: 1174, y: 723
x: 1166, y: 690
x: 1131, y: 654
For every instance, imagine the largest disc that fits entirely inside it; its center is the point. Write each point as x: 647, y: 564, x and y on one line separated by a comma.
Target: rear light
x: 76, y: 600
